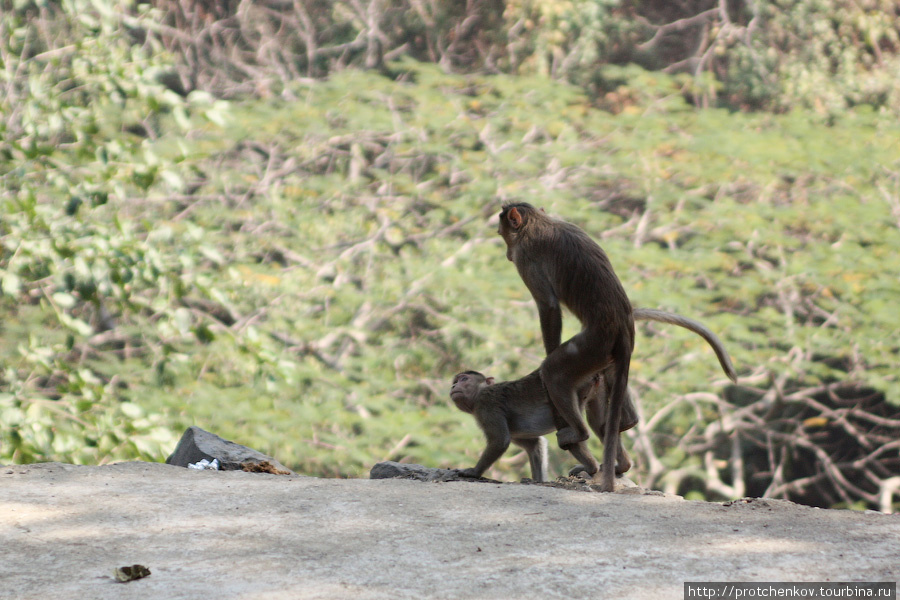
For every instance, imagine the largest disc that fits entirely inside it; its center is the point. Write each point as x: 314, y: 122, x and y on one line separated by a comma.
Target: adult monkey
x: 520, y: 411
x: 561, y: 265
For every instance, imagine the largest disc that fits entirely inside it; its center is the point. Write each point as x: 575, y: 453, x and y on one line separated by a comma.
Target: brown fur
x: 562, y: 266
x: 520, y: 411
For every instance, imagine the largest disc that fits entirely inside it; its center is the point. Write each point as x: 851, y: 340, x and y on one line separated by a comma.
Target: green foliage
x: 304, y: 274
x: 829, y: 55
x: 569, y: 40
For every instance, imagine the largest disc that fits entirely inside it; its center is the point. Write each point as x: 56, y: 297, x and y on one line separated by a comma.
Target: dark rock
x: 391, y: 469
x: 197, y: 444
x: 581, y: 482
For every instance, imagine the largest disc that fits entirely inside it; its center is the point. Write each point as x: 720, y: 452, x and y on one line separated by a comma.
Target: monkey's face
x: 465, y: 388
x: 508, y: 232
x: 509, y: 239
x: 591, y: 389
x: 513, y: 218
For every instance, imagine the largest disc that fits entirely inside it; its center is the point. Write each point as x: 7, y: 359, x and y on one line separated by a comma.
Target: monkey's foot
x: 584, y: 481
x: 468, y: 473
x: 577, y: 470
x: 568, y: 436
x: 603, y: 484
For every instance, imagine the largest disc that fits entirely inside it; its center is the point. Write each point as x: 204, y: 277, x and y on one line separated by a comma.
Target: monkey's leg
x: 596, y: 417
x: 629, y: 420
x: 612, y: 440
x: 629, y: 412
x: 596, y: 414
x: 570, y: 365
x: 586, y: 460
x: 623, y: 461
x: 537, y: 456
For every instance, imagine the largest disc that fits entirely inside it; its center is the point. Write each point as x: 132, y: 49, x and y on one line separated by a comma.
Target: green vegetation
x: 303, y: 269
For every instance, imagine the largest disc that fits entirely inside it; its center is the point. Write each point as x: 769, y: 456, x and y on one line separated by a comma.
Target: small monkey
x: 562, y: 266
x: 509, y: 412
x: 520, y: 411
x: 512, y: 411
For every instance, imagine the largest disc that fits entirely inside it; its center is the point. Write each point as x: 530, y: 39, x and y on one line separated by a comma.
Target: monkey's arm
x: 551, y: 324
x: 496, y: 430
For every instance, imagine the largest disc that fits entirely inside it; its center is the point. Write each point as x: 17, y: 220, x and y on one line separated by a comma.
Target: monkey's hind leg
x: 612, y: 439
x: 586, y: 460
x: 595, y: 410
x: 537, y: 456
x: 567, y: 367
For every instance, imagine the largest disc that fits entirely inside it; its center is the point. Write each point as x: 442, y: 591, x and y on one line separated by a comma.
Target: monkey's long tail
x: 650, y: 314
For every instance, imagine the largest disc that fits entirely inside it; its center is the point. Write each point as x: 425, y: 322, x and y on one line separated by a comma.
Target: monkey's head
x: 465, y: 388
x: 514, y: 220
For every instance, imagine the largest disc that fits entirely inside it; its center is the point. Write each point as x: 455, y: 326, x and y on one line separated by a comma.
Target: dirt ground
x: 250, y: 536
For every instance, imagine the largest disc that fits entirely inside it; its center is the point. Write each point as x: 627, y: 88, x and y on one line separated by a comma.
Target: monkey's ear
x: 489, y: 380
x: 515, y: 217
x: 543, y: 211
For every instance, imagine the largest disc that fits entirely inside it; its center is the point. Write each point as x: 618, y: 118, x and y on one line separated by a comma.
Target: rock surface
x: 247, y: 536
x: 197, y: 444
